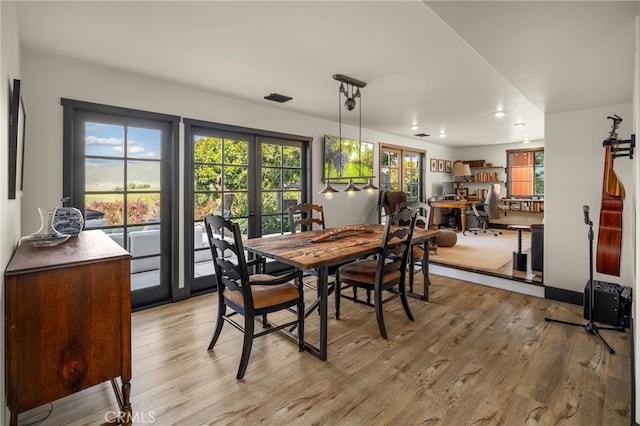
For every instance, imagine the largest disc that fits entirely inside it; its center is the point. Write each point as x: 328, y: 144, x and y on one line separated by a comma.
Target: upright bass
x: 610, y: 230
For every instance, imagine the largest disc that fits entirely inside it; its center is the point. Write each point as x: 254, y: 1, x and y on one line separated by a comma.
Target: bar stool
x: 519, y: 258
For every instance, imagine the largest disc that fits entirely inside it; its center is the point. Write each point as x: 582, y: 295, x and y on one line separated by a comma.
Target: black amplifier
x: 612, y: 303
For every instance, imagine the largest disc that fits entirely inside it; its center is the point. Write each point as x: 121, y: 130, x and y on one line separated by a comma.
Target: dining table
x: 322, y: 249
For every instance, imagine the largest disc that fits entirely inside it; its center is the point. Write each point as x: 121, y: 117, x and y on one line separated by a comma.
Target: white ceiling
x: 444, y: 65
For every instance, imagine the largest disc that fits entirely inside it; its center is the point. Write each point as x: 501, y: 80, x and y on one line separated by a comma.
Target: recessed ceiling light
x: 414, y: 127
x: 520, y: 124
x: 443, y: 135
x: 526, y: 140
x: 499, y: 113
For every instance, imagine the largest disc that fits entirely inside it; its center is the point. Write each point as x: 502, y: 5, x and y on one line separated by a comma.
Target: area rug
x: 482, y: 251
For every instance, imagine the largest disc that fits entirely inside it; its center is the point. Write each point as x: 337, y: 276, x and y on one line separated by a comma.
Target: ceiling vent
x: 275, y: 97
x: 422, y: 135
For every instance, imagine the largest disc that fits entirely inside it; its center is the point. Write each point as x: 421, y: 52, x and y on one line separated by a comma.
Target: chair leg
x: 379, y: 317
x: 412, y: 269
x: 405, y: 303
x: 246, y: 346
x: 222, y: 310
x: 301, y: 325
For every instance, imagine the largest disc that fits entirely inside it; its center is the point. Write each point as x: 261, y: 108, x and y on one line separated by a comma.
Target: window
x: 118, y: 171
x: 525, y: 172
x: 250, y: 176
x: 402, y: 170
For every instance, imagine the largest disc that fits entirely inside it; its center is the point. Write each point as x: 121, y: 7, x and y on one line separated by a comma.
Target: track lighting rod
x: 349, y: 80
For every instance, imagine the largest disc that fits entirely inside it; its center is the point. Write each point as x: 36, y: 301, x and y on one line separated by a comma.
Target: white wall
x: 9, y: 209
x: 574, y: 160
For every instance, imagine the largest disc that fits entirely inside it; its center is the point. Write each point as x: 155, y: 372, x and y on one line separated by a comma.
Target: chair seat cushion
x: 446, y: 238
x: 265, y: 295
x: 364, y: 271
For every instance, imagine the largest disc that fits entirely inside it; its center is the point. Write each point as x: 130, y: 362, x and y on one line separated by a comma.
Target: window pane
x: 271, y: 179
x: 270, y: 202
x: 103, y: 175
x: 235, y: 178
x: 104, y: 139
x: 111, y: 206
x: 207, y: 177
x: 292, y: 178
x: 238, y: 204
x: 271, y: 155
x: 206, y: 203
x: 236, y: 152
x: 292, y: 156
x: 207, y: 150
x: 143, y: 175
x: 143, y: 143
x: 143, y: 208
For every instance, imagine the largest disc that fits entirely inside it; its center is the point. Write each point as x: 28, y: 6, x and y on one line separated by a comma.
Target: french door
x: 251, y: 177
x: 402, y: 170
x: 118, y: 171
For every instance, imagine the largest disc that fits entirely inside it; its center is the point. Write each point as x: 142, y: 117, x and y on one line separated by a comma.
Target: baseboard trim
x: 563, y: 295
x: 488, y: 280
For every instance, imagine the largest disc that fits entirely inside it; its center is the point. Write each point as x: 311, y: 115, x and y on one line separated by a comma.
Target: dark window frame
x: 258, y: 136
x: 73, y: 181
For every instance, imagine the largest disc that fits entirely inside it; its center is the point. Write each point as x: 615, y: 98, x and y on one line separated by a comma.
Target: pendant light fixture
x: 351, y: 189
x: 350, y: 88
x: 328, y: 191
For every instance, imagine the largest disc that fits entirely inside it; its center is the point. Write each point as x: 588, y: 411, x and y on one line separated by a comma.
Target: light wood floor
x: 475, y: 355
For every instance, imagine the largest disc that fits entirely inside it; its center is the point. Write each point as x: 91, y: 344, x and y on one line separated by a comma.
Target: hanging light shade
x: 370, y: 188
x: 351, y: 189
x: 328, y: 191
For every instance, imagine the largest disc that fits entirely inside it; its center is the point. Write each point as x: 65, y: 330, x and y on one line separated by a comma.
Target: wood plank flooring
x: 475, y: 355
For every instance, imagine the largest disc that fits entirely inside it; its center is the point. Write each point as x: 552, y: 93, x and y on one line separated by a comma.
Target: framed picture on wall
x: 434, y: 164
x: 17, y: 117
x: 447, y: 166
x: 441, y: 166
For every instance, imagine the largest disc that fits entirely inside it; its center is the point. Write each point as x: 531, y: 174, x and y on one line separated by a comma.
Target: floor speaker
x: 612, y: 304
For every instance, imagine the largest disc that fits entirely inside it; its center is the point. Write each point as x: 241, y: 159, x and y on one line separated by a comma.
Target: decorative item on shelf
x: 68, y: 220
x: 46, y: 236
x: 463, y: 193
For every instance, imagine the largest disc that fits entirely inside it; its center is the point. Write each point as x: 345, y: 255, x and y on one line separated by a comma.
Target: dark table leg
x: 425, y: 275
x: 323, y: 282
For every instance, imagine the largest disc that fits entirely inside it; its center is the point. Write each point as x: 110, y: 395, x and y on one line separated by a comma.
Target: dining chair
x: 251, y: 296
x: 385, y: 271
x: 488, y: 211
x: 302, y: 215
x: 388, y: 200
x: 422, y: 221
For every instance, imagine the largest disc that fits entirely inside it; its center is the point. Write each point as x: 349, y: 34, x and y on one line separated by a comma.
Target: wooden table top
x: 298, y: 250
x: 453, y: 204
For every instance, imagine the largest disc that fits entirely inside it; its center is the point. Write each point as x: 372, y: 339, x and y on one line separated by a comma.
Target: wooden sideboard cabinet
x: 67, y: 321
